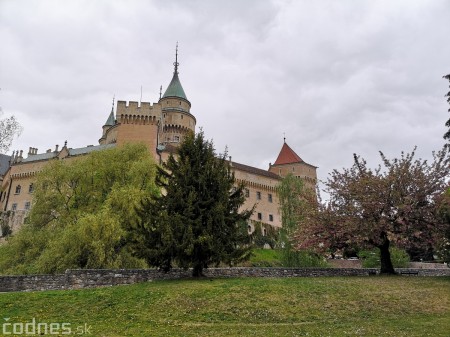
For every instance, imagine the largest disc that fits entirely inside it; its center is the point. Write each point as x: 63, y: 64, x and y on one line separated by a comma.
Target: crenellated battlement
x: 133, y: 108
x: 138, y: 113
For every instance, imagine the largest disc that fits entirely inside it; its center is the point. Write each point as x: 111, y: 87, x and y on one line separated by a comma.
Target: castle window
x: 264, y: 232
x: 247, y: 192
x: 258, y: 195
x: 14, y: 207
x: 31, y: 188
x: 259, y: 216
x: 269, y: 197
x: 293, y: 169
x: 18, y: 189
x: 249, y: 228
x: 270, y: 217
x: 181, y: 116
x: 180, y: 102
x: 176, y: 138
x: 27, y: 205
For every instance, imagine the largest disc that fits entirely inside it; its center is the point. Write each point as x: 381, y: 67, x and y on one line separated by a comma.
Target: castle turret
x: 177, y: 119
x: 289, y: 162
x: 108, y: 136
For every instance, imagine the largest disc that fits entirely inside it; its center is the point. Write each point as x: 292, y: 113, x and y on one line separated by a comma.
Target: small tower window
x: 18, y: 189
x: 270, y: 217
x: 247, y: 192
x: 258, y: 195
x: 259, y: 216
x: 14, y: 207
x: 27, y: 205
x: 31, y: 188
x: 269, y: 197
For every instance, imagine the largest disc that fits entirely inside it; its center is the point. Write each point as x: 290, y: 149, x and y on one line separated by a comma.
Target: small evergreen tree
x: 196, y: 222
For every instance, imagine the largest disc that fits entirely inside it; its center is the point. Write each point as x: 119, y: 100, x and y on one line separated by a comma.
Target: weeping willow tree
x: 80, y: 211
x: 296, y: 203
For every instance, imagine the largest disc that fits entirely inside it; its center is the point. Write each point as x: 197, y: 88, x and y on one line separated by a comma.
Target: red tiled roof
x: 287, y: 156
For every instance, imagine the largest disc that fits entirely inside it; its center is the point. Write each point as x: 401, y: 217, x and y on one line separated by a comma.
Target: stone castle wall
x: 91, y: 278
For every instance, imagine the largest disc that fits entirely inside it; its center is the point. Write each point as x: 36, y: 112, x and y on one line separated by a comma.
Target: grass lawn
x: 334, y: 306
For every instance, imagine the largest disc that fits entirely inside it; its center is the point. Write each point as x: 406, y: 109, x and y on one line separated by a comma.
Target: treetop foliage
x: 196, y: 222
x: 447, y: 124
x: 9, y: 127
x: 395, y: 203
x: 79, y: 213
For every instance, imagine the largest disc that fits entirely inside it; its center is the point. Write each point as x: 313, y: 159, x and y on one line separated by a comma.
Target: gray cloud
x: 336, y: 77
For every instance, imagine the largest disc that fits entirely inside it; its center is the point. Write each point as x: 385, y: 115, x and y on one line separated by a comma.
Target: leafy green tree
x: 80, y: 211
x: 270, y: 236
x: 444, y: 245
x: 375, y: 208
x: 196, y: 222
x: 292, y: 194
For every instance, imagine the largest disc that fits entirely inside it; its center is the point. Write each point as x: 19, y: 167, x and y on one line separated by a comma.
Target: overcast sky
x: 337, y: 77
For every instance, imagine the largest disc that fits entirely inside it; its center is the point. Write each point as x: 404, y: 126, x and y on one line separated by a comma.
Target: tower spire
x: 176, y: 64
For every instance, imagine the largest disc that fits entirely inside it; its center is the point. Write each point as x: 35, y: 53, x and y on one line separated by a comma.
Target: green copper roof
x: 111, y: 120
x: 175, y: 89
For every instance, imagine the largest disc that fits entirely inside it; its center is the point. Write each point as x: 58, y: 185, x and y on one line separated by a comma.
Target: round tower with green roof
x: 177, y: 119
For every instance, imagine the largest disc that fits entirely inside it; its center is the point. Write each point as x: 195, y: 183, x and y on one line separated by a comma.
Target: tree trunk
x: 197, y: 271
x: 385, y: 256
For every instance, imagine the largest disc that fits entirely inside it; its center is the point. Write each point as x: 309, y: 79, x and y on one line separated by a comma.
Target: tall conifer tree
x: 196, y: 222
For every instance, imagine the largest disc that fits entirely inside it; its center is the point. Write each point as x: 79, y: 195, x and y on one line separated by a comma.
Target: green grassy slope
x: 366, y: 306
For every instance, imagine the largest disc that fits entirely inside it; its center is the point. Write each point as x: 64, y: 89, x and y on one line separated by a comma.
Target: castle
x: 161, y: 127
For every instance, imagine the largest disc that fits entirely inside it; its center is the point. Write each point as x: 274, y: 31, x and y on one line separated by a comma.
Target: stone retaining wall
x: 91, y: 278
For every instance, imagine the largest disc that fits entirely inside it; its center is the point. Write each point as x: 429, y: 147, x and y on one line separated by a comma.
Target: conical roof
x: 111, y: 120
x: 287, y: 156
x: 175, y: 89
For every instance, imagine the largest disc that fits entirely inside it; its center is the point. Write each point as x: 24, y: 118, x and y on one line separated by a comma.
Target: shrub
x: 371, y: 258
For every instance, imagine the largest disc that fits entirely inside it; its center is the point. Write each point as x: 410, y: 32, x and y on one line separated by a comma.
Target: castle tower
x: 289, y: 162
x: 176, y: 119
x: 109, y: 124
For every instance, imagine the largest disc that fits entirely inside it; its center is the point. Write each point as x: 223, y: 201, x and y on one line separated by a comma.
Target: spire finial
x: 284, y: 137
x: 114, y: 97
x: 176, y: 64
x: 160, y: 92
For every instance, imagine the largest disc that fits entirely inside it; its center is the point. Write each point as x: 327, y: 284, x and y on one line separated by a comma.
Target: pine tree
x: 196, y: 222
